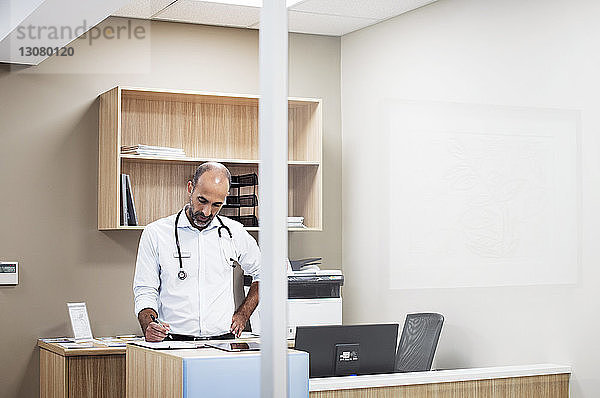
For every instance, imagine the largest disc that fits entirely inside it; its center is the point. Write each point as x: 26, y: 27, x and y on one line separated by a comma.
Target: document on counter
x: 110, y: 342
x: 84, y: 344
x: 167, y: 345
x: 58, y: 340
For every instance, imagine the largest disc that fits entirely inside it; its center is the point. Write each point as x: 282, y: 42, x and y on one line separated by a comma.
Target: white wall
x: 537, y: 53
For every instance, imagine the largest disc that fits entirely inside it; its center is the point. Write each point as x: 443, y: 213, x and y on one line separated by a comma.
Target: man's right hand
x: 156, y: 332
x: 152, y: 330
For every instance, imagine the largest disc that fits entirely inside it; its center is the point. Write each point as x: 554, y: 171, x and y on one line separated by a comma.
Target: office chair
x: 419, y: 340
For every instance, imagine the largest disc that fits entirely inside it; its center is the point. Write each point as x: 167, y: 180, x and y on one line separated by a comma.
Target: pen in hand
x: 162, y: 325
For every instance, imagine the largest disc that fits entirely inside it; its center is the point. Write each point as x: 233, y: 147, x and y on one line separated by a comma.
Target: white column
x: 273, y: 138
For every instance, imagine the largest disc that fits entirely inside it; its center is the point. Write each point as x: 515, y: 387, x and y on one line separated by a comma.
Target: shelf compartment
x: 228, y: 125
x: 160, y: 190
x: 304, y: 195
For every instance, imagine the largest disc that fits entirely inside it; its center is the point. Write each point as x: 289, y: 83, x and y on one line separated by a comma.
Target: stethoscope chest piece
x: 182, y: 274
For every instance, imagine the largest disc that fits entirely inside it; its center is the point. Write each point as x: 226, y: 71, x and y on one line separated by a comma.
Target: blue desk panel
x: 239, y: 376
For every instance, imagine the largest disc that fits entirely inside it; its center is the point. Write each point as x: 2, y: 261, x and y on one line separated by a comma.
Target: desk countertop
x: 438, y: 376
x: 206, y: 352
x: 100, y: 349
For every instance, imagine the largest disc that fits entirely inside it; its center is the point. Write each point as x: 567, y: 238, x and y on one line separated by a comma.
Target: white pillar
x: 273, y: 138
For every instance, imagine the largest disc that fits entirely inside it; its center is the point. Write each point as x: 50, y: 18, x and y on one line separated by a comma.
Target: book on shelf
x: 151, y: 150
x: 131, y: 213
x: 128, y: 213
x: 123, y: 200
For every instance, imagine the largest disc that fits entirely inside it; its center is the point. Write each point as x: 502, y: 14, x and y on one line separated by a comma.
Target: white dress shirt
x: 202, y: 304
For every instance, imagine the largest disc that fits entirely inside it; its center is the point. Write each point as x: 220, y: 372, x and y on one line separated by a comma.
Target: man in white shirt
x: 185, y: 289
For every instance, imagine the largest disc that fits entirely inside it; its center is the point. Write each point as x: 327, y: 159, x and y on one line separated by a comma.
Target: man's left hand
x: 238, y: 323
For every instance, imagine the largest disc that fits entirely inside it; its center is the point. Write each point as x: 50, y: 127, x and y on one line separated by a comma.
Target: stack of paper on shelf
x: 150, y: 150
x: 295, y: 222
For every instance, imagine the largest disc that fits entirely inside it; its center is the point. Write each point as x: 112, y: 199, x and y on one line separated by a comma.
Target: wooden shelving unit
x: 208, y: 126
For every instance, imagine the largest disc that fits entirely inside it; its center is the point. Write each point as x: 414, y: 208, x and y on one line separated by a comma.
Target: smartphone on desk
x: 235, y: 347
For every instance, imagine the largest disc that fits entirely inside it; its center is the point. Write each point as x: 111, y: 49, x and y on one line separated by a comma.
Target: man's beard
x: 197, y: 218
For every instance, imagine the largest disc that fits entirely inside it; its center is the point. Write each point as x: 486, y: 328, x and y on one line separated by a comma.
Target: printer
x: 314, y: 299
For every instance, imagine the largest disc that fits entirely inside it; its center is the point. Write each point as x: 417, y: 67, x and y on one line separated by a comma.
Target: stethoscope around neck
x: 231, y: 262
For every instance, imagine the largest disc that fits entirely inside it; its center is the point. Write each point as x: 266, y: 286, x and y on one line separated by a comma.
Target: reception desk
x: 101, y: 372
x: 534, y: 381
x: 222, y: 374
x: 205, y: 372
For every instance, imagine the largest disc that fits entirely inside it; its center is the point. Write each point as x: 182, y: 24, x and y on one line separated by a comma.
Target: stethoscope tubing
x: 182, y: 274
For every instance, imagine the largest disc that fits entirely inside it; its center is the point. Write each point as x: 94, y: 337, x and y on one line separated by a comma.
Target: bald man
x: 183, y: 283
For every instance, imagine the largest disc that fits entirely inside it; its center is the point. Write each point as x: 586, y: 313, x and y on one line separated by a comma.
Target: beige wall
x: 536, y: 54
x: 48, y: 175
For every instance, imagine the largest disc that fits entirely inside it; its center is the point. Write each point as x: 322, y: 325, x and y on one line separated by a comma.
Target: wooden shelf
x: 186, y: 160
x: 158, y: 159
x: 249, y: 229
x: 303, y: 163
x: 209, y: 126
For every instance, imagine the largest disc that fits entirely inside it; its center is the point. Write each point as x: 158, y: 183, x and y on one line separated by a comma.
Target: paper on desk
x: 111, y: 342
x: 165, y: 345
x: 130, y: 339
x: 77, y: 345
x: 58, y: 340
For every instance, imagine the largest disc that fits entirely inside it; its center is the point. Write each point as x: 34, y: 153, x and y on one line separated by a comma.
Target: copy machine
x: 314, y: 298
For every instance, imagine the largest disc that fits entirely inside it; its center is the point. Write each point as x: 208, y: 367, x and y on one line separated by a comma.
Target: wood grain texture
x: 205, y: 130
x: 109, y: 127
x: 208, y: 126
x: 150, y: 374
x: 304, y: 194
x: 97, y: 376
x: 159, y: 189
x: 194, y: 96
x: 304, y: 132
x: 549, y: 386
x: 53, y: 376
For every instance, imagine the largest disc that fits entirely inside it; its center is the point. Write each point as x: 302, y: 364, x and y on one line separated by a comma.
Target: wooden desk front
x: 97, y: 372
x: 530, y: 381
x: 206, y: 372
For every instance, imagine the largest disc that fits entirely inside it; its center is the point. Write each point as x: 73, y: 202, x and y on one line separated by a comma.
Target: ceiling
x: 322, y: 17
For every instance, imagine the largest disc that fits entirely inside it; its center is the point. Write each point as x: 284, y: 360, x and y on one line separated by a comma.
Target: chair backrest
x: 418, y: 342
